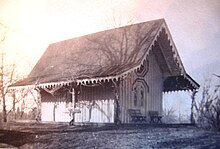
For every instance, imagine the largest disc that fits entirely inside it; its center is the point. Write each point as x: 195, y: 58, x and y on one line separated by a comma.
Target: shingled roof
x: 102, y: 55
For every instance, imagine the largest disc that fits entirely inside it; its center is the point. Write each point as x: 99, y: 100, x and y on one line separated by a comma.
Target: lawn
x: 38, y: 135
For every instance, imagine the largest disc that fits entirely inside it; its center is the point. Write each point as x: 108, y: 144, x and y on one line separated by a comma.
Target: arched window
x: 140, y: 89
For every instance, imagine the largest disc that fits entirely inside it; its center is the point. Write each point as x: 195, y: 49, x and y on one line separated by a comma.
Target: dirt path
x: 33, y: 135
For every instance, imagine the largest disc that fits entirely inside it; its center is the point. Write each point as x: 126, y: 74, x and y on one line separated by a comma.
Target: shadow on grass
x: 15, y: 138
x: 18, y: 138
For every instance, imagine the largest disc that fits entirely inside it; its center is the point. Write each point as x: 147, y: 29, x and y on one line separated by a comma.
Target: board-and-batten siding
x: 56, y: 108
x: 155, y: 80
x: 152, y: 99
x: 101, y: 112
x: 95, y: 104
x: 55, y: 111
x: 102, y: 109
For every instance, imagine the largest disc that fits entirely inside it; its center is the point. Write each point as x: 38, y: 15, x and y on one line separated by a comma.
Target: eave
x: 175, y: 69
x: 177, y: 83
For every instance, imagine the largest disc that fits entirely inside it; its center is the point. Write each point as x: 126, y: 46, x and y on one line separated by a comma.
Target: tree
x: 169, y: 115
x: 20, y: 95
x: 6, y: 79
x: 4, y: 89
x: 7, y: 74
x: 193, y: 104
x: 208, y: 109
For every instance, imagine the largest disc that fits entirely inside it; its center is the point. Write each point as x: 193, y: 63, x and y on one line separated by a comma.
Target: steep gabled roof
x: 106, y: 54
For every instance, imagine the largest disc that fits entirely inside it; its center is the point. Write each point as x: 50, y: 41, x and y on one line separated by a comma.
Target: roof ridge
x: 106, y: 30
x: 64, y: 57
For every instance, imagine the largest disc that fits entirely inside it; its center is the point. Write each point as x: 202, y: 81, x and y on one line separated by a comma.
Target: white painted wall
x: 62, y: 113
x: 101, y: 112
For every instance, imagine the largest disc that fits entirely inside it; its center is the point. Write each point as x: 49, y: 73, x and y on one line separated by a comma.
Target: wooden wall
x: 103, y: 91
x: 151, y: 82
x: 141, y: 89
x: 55, y: 111
x: 95, y: 103
x: 96, y: 111
x: 62, y: 95
x: 56, y: 108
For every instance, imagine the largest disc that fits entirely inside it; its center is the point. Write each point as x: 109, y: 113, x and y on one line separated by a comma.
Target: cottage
x: 99, y: 77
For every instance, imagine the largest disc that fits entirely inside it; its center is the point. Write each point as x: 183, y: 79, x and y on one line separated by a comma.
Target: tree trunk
x: 117, y: 120
x: 54, y: 112
x: 13, y: 106
x: 4, y: 110
x: 117, y: 112
x: 3, y: 94
x: 192, y: 119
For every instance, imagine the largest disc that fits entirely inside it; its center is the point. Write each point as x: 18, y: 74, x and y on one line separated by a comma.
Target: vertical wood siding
x: 95, y: 104
x: 101, y: 112
x: 57, y: 111
x: 151, y: 81
x: 56, y: 108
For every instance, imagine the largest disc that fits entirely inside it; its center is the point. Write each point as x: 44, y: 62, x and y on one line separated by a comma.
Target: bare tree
x: 3, y: 83
x: 193, y: 105
x: 7, y: 74
x: 169, y: 115
x: 38, y: 103
x: 117, y: 103
x: 7, y: 77
x: 208, y: 109
x: 20, y: 96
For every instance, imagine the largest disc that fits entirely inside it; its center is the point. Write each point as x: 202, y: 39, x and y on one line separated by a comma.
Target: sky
x: 30, y: 26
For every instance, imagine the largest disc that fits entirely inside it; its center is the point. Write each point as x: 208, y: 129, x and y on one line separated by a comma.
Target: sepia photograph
x: 110, y: 74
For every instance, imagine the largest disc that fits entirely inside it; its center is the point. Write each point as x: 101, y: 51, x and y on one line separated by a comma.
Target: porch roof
x: 181, y: 82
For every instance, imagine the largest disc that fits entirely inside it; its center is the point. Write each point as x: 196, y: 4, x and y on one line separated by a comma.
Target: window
x: 139, y: 89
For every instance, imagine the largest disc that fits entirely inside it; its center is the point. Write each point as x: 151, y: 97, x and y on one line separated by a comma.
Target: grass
x: 39, y: 135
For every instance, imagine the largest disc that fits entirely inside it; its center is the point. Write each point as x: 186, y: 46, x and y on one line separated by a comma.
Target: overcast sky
x: 194, y: 25
x: 32, y: 25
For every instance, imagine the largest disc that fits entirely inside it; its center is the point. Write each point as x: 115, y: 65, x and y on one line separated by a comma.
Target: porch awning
x: 182, y: 82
